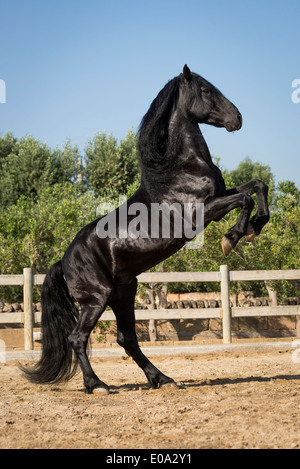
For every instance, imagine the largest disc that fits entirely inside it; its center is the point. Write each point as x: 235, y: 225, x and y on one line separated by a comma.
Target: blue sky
x: 74, y: 68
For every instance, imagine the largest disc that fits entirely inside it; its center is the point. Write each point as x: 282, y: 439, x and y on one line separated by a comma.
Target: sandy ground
x: 224, y: 400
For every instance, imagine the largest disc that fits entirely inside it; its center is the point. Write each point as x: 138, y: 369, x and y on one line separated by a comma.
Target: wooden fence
x: 226, y: 312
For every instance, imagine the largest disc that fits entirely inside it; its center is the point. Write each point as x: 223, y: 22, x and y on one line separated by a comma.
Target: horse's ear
x: 187, y: 73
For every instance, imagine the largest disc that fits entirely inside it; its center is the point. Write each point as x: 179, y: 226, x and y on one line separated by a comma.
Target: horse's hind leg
x: 79, y: 339
x: 122, y: 303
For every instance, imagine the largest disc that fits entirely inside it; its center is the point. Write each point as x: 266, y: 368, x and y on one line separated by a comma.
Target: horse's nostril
x: 239, y: 117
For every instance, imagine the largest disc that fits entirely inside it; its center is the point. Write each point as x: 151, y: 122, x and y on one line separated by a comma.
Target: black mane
x: 153, y: 135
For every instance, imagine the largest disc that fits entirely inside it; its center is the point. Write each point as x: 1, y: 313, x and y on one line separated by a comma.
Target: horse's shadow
x: 193, y: 383
x: 224, y: 381
x: 190, y: 383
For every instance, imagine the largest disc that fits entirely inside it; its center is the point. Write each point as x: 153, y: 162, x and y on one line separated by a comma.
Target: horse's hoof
x: 102, y: 391
x: 226, y: 246
x: 169, y: 386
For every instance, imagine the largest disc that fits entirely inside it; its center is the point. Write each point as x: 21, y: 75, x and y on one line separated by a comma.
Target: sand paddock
x: 247, y: 399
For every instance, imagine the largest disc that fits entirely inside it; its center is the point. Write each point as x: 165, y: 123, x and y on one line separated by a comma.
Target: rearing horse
x: 176, y: 166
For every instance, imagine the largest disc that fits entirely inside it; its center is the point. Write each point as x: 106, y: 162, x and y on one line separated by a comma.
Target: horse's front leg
x: 217, y: 207
x: 262, y: 215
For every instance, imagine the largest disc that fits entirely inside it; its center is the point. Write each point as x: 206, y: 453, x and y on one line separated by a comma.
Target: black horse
x: 176, y: 167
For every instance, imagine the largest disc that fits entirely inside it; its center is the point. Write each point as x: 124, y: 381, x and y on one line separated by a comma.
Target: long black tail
x: 59, y: 317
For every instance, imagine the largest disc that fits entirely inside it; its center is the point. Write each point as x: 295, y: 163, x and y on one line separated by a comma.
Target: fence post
x: 225, y: 298
x: 28, y: 310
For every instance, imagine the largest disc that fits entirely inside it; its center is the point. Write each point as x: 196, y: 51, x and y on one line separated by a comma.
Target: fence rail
x: 226, y: 312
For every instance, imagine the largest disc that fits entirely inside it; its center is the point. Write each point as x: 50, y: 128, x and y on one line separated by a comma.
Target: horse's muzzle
x: 234, y: 124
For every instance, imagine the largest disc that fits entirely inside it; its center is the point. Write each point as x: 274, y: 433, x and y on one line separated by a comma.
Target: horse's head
x: 206, y: 104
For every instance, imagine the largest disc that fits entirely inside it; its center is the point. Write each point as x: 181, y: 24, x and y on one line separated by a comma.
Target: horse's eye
x: 205, y: 90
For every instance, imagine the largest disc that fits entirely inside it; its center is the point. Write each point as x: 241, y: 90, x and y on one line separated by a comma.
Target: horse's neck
x: 190, y: 157
x: 194, y: 149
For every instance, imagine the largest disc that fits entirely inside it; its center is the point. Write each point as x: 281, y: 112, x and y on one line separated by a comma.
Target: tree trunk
x: 152, y: 330
x: 79, y: 169
x: 272, y: 294
x: 162, y: 296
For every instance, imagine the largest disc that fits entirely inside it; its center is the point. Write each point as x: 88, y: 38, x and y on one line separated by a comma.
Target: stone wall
x: 181, y: 329
x: 200, y: 329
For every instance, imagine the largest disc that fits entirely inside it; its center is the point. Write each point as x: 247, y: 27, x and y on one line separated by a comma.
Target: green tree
x: 42, y: 209
x: 37, y: 233
x: 7, y: 146
x: 27, y: 165
x: 111, y: 167
x: 70, y: 162
x: 248, y: 170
